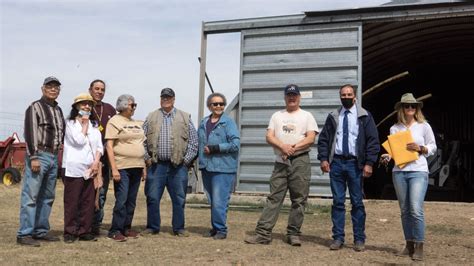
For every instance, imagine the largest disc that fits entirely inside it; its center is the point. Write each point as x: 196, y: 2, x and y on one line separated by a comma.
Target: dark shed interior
x: 438, y: 55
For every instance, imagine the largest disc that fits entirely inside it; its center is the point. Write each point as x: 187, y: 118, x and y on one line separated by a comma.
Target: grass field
x: 450, y: 237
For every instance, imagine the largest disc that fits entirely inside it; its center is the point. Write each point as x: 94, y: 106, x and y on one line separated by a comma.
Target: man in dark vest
x: 171, y: 147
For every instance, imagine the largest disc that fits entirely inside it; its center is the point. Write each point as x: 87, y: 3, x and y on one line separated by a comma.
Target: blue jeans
x: 126, y: 191
x: 218, y: 187
x: 346, y: 174
x: 411, y: 187
x: 175, y: 179
x: 99, y: 214
x: 37, y: 196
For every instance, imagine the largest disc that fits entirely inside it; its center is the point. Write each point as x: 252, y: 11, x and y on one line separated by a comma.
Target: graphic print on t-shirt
x: 289, y: 128
x: 289, y: 132
x: 134, y: 129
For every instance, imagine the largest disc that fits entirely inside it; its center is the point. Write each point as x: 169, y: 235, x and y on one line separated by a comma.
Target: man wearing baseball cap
x: 171, y: 146
x: 44, y: 132
x: 291, y: 132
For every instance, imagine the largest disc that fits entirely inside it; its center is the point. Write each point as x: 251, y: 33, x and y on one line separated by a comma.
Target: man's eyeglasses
x: 217, y: 104
x: 166, y: 98
x: 410, y: 105
x: 133, y: 105
x: 51, y: 87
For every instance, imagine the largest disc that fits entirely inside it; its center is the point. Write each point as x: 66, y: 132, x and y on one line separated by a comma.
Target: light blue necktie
x: 345, y: 134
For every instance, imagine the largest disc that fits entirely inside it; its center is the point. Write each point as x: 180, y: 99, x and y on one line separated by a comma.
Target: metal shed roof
x: 393, y: 39
x: 369, y: 14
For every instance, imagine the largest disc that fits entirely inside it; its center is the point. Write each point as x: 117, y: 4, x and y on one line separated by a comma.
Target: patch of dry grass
x: 383, y: 233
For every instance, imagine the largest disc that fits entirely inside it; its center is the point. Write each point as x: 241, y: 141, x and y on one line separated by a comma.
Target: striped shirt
x: 164, y: 141
x: 44, y: 127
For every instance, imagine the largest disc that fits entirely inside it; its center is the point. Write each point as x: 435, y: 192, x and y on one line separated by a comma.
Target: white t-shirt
x: 291, y: 128
x: 422, y: 135
x: 79, y: 150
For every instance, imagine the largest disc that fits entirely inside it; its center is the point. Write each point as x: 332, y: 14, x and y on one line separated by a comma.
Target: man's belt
x: 345, y: 158
x: 48, y: 149
x: 291, y: 158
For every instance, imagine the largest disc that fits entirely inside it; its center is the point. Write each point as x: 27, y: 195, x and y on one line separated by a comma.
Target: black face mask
x: 347, y: 102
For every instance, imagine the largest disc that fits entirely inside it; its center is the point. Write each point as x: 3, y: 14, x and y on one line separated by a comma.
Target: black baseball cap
x: 167, y: 92
x: 51, y: 79
x: 292, y: 89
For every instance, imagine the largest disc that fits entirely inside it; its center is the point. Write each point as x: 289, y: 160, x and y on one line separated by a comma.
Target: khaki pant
x: 296, y: 178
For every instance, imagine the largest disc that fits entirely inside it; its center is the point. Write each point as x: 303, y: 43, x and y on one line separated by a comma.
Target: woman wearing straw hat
x: 411, y: 181
x: 81, y: 159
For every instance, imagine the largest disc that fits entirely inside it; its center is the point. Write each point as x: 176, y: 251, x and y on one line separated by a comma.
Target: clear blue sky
x: 137, y: 47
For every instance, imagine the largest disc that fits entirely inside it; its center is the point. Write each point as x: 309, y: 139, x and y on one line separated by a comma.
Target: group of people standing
x: 103, y: 142
x: 348, y: 148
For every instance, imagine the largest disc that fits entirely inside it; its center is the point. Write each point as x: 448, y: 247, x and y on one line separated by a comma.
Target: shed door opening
x: 438, y: 55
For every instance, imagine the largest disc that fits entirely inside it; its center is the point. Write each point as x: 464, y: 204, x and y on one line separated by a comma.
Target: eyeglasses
x: 133, y: 105
x: 166, y: 98
x: 217, y: 104
x: 51, y: 87
x: 86, y: 103
x: 410, y: 105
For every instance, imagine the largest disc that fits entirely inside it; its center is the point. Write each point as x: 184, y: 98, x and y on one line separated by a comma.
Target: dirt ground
x: 449, y: 233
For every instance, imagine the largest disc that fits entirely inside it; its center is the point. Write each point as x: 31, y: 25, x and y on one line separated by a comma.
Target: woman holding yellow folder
x: 411, y: 181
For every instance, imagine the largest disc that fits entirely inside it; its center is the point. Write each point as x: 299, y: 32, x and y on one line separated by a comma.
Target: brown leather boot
x: 408, y: 250
x: 418, y: 254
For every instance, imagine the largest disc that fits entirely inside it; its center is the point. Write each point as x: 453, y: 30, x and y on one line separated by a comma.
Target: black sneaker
x: 47, y: 237
x: 211, y: 233
x: 336, y: 245
x: 95, y: 231
x: 27, y: 241
x: 69, y: 238
x: 87, y: 237
x: 219, y: 236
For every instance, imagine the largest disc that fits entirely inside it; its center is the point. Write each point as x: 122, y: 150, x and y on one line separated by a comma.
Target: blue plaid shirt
x: 164, y: 140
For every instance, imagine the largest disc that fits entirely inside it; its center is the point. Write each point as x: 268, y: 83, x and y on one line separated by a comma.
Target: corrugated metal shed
x: 322, y: 50
x: 318, y: 59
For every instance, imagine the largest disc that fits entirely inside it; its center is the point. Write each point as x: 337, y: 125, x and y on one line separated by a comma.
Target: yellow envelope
x: 398, y: 147
x: 386, y: 146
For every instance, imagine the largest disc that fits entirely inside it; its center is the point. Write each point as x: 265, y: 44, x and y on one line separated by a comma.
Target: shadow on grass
x: 325, y: 242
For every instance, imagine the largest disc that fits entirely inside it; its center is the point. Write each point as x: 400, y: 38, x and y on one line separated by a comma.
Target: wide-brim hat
x: 408, y: 98
x: 83, y: 97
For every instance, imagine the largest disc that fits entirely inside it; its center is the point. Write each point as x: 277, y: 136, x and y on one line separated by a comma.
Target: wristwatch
x: 421, y: 149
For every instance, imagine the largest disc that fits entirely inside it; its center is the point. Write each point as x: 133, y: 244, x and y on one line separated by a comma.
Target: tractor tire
x: 11, y: 176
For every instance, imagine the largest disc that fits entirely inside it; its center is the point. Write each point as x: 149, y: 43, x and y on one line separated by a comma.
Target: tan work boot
x: 257, y: 239
x: 418, y: 253
x: 408, y: 250
x: 293, y: 241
